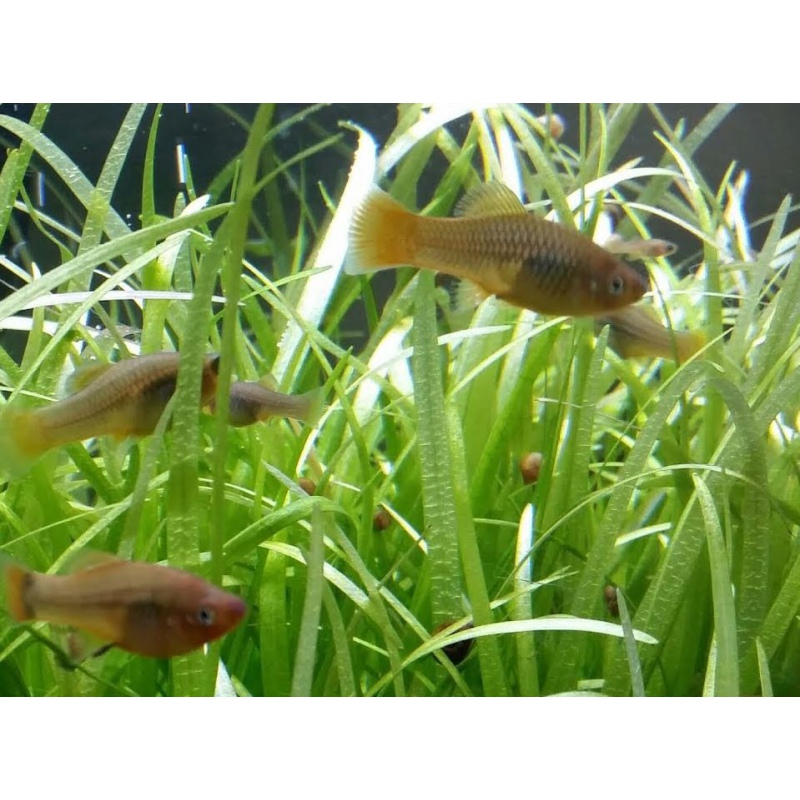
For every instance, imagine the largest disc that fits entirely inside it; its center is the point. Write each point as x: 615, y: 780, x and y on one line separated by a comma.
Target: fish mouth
x: 642, y: 277
x: 235, y: 609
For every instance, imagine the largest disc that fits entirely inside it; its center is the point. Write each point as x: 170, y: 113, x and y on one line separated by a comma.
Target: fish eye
x: 616, y: 285
x: 205, y: 616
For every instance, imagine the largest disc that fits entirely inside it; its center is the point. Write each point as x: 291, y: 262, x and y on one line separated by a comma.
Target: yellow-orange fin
x: 489, y: 200
x: 688, y: 343
x: 22, y: 441
x: 381, y: 234
x: 17, y: 580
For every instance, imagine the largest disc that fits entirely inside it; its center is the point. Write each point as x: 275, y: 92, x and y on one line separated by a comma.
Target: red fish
x: 494, y: 243
x: 142, y: 608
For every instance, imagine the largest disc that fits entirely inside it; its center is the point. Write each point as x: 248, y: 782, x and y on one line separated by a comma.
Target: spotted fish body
x: 123, y: 399
x: 142, y: 608
x: 496, y: 244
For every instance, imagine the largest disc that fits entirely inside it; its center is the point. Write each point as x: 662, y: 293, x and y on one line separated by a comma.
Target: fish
x: 639, y: 248
x: 636, y: 332
x: 252, y: 402
x: 120, y: 399
x: 142, y: 608
x: 494, y: 243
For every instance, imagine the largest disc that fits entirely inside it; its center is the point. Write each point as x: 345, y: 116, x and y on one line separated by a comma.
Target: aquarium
x: 409, y: 400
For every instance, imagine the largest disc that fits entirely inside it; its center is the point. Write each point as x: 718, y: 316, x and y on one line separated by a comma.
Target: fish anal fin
x: 468, y: 296
x: 86, y: 374
x: 491, y: 199
x: 81, y: 646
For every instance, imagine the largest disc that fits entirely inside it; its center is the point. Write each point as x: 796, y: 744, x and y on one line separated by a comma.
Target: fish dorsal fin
x: 212, y: 361
x: 267, y: 380
x: 85, y: 374
x: 491, y: 199
x: 90, y: 559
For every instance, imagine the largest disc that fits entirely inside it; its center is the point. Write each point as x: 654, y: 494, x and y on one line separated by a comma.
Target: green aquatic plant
x: 653, y: 554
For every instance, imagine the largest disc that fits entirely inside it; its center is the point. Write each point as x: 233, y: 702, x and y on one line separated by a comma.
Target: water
x: 760, y: 138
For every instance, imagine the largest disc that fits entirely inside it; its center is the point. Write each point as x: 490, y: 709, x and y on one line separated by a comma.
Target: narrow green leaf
x: 436, y: 469
x: 66, y: 169
x: 637, y: 681
x: 726, y: 672
x: 521, y: 608
x: 494, y: 682
x: 763, y: 670
x: 100, y: 203
x: 14, y: 168
x: 303, y: 676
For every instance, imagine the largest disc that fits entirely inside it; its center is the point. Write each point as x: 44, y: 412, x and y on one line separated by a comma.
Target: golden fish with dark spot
x: 494, y: 243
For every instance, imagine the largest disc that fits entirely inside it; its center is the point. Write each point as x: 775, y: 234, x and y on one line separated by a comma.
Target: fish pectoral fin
x: 85, y: 374
x: 492, y: 199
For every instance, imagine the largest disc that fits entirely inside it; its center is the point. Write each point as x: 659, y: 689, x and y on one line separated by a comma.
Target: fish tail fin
x: 382, y: 235
x: 22, y: 441
x: 17, y: 580
x: 312, y: 406
x: 688, y: 343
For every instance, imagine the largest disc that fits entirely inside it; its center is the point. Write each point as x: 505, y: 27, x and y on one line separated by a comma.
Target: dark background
x: 761, y: 138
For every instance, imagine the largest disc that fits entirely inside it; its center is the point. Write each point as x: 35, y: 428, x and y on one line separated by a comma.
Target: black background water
x: 762, y: 139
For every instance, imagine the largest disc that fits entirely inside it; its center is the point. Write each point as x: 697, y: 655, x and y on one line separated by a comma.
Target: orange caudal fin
x: 688, y: 343
x: 22, y: 441
x: 382, y: 235
x: 17, y: 579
